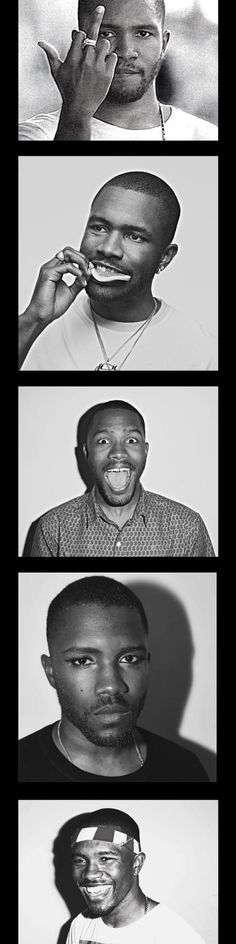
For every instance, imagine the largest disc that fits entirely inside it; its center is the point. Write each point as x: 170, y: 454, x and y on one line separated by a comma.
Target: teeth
x: 103, y: 273
x: 97, y: 890
x: 118, y: 478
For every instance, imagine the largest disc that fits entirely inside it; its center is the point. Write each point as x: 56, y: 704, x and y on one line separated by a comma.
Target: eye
x: 101, y: 442
x: 144, y: 34
x: 106, y: 34
x: 130, y: 659
x: 81, y: 661
x: 132, y: 439
x: 135, y: 237
x: 98, y: 227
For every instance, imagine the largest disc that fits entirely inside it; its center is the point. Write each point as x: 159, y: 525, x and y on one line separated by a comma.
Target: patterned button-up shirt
x: 159, y: 527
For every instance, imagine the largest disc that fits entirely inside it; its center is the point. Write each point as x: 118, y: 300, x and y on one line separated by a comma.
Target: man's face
x: 99, y: 658
x: 135, y: 33
x: 116, y: 453
x: 104, y: 874
x: 125, y: 234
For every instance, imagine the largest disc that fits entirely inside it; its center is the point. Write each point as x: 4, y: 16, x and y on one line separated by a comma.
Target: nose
x: 118, y: 451
x: 91, y: 872
x: 125, y: 47
x: 111, y: 245
x: 110, y: 681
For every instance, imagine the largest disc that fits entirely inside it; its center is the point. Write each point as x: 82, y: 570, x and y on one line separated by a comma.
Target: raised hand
x: 83, y: 79
x: 51, y: 296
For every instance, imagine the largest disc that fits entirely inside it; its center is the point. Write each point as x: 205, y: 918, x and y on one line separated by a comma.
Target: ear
x: 146, y: 448
x: 138, y: 862
x: 48, y: 669
x: 167, y: 257
x: 166, y: 39
x: 85, y: 451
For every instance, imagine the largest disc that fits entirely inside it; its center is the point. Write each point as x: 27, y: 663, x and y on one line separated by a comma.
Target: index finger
x: 94, y: 26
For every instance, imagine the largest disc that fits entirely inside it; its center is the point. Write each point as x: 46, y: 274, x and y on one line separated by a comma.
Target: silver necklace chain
x: 141, y: 760
x: 163, y: 133
x: 140, y: 330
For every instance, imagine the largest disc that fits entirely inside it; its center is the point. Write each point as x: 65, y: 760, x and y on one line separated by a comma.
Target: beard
x: 84, y: 723
x: 121, y: 93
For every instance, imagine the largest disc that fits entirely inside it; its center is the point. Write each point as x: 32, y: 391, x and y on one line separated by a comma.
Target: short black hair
x: 159, y: 4
x: 96, y: 589
x: 107, y: 817
x: 114, y: 405
x: 143, y: 182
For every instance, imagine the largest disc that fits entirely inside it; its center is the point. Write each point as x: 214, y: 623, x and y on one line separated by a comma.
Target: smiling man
x: 108, y: 80
x: 97, y: 636
x: 107, y: 858
x: 115, y: 323
x: 117, y: 518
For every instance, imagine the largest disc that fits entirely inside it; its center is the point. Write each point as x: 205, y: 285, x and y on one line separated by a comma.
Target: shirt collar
x: 94, y: 511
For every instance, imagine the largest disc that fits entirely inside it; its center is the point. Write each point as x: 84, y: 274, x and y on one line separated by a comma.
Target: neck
x: 129, y: 910
x: 144, y: 113
x: 95, y: 758
x: 126, y: 309
x: 119, y: 513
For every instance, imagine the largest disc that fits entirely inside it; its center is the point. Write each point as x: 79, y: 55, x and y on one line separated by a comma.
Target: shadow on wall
x: 83, y: 470
x: 171, y: 669
x: 63, y: 876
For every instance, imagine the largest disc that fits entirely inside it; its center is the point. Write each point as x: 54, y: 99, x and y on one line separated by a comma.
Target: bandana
x: 107, y: 833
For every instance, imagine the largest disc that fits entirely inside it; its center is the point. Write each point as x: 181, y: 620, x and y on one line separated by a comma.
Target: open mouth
x: 96, y: 891
x: 118, y: 479
x: 106, y: 273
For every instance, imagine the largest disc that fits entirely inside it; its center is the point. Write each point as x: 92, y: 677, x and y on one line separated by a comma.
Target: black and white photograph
x: 82, y: 454
x: 145, y: 70
x: 117, y: 677
x: 118, y: 872
x: 118, y: 262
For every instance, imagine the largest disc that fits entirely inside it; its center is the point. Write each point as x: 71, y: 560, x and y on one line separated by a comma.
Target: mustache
x: 112, y: 265
x: 109, y: 702
x: 112, y: 468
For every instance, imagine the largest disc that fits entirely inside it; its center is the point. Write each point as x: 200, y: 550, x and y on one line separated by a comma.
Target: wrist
x: 74, y: 124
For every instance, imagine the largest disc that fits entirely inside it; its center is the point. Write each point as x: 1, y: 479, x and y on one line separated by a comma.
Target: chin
x: 100, y: 292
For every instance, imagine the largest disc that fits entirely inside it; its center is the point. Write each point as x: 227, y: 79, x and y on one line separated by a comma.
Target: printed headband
x: 107, y: 833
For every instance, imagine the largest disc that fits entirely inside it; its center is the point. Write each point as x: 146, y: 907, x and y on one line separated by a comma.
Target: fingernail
x: 99, y: 9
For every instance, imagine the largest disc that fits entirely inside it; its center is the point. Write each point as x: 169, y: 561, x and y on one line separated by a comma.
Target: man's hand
x: 83, y: 79
x: 51, y: 296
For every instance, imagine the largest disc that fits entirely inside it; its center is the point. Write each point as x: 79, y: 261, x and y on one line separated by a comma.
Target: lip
x: 111, y: 710
x: 102, y: 262
x: 96, y: 891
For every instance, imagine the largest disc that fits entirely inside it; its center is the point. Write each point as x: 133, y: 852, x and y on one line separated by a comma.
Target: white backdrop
x: 181, y: 428
x: 38, y: 703
x: 55, y: 197
x: 180, y: 869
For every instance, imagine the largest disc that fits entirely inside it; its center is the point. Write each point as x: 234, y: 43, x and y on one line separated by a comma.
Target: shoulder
x: 39, y: 127
x: 176, y: 761
x: 66, y: 510
x: 193, y: 128
x: 159, y: 504
x: 173, y: 925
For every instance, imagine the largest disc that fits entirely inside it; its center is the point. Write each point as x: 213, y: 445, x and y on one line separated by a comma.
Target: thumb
x: 52, y: 57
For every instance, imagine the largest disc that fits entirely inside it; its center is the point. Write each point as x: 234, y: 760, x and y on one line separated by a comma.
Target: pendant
x: 106, y: 367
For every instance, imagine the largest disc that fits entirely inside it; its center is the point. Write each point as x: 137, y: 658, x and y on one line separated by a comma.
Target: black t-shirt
x: 41, y: 761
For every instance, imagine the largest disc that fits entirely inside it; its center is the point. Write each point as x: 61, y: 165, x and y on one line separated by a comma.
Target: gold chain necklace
x: 141, y: 761
x: 140, y: 330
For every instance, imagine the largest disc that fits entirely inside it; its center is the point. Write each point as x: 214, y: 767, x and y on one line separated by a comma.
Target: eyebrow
x: 91, y: 649
x: 127, y: 429
x: 126, y: 227
x: 76, y: 852
x: 134, y: 26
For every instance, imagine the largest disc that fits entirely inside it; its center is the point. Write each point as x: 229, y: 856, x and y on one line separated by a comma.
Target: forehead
x: 123, y: 207
x: 114, y: 419
x: 123, y: 13
x: 99, y: 627
x: 96, y: 847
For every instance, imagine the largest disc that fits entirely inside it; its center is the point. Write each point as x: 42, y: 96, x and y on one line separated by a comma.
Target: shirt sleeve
x: 202, y: 545
x: 46, y: 538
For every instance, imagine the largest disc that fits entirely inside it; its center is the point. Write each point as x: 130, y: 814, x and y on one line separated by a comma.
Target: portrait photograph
x: 79, y: 858
x: 100, y: 476
x: 118, y: 263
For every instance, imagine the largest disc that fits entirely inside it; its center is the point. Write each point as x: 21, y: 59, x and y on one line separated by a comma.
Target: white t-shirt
x: 180, y: 126
x: 159, y: 926
x: 170, y: 342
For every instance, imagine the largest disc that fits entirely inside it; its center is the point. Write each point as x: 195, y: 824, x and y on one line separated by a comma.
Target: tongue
x: 118, y: 480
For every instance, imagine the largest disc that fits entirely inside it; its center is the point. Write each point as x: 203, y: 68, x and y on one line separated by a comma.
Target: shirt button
x: 118, y: 544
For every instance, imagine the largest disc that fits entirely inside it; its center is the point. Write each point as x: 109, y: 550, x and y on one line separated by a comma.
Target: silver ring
x: 60, y: 255
x: 89, y: 42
